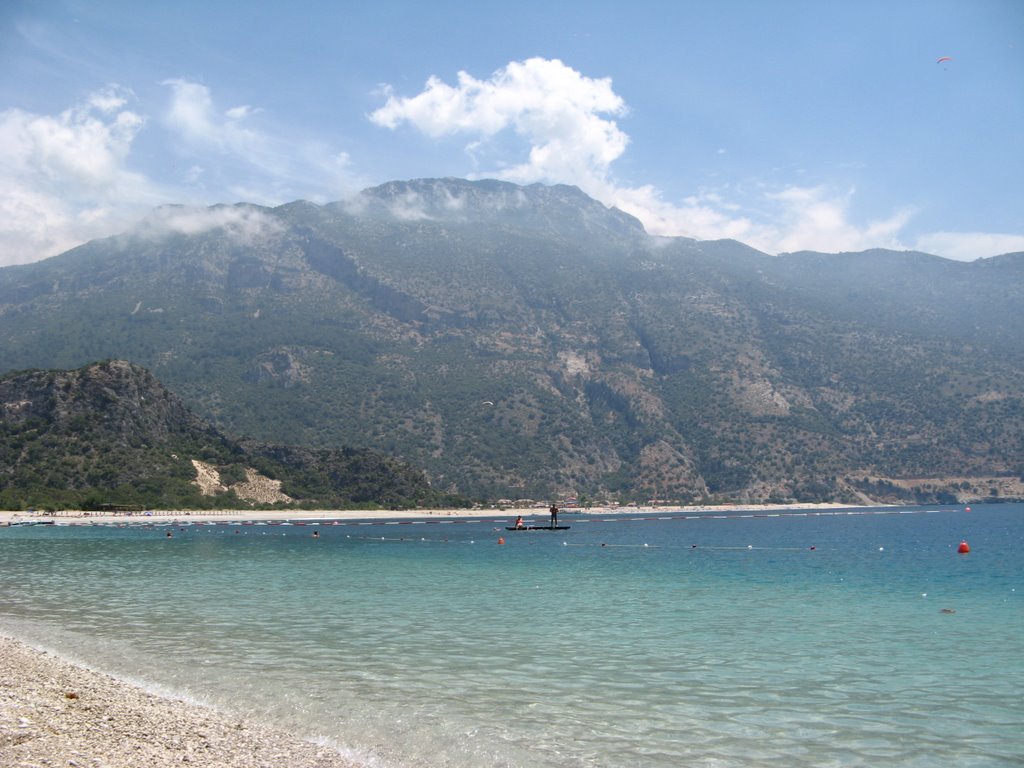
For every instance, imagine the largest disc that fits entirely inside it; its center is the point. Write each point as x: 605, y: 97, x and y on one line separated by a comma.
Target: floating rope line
x: 625, y: 518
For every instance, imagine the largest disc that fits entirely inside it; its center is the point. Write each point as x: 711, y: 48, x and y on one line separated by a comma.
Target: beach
x: 53, y: 712
x: 240, y: 515
x: 669, y: 636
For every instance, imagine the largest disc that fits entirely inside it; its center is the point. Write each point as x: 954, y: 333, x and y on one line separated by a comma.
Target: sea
x: 666, y: 639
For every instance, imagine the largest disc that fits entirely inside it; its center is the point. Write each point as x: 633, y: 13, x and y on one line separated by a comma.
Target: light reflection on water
x: 576, y: 648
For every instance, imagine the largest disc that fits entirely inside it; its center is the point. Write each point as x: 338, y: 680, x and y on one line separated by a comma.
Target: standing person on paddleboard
x: 554, y: 515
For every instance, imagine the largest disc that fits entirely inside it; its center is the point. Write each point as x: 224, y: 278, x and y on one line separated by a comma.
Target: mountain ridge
x: 616, y: 363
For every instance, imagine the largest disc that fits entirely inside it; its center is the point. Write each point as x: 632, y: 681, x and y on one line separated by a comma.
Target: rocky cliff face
x: 124, y: 401
x: 110, y: 433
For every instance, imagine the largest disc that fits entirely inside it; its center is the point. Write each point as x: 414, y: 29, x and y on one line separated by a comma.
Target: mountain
x: 531, y: 342
x: 111, y: 434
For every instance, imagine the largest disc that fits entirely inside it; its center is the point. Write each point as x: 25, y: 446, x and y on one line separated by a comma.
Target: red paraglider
x: 944, y: 58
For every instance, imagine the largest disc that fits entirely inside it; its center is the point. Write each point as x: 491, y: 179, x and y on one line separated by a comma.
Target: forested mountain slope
x: 111, y: 434
x: 530, y: 342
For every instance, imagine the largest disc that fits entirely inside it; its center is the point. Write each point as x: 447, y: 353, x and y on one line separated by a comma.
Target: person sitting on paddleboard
x: 519, y: 522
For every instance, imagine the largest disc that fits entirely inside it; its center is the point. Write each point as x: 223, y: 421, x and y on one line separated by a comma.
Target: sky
x: 786, y: 124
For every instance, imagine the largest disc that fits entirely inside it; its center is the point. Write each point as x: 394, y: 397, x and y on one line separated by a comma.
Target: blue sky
x: 786, y: 124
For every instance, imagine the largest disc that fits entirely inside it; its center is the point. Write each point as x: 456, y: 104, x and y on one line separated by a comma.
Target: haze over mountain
x: 529, y: 341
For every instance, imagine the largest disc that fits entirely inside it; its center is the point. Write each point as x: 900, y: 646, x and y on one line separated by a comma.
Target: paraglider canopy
x: 944, y: 58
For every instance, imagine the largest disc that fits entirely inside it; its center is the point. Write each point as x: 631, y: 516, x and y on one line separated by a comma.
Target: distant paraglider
x: 943, y: 58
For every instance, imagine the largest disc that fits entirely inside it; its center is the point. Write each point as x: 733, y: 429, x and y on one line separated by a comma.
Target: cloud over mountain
x: 102, y: 164
x: 567, y: 122
x: 77, y: 175
x: 64, y: 177
x: 558, y: 111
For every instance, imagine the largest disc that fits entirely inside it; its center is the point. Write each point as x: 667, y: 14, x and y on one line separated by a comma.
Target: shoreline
x: 167, y: 516
x: 56, y: 709
x: 56, y: 712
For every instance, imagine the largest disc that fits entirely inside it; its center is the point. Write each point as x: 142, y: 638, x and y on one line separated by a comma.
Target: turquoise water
x: 792, y: 640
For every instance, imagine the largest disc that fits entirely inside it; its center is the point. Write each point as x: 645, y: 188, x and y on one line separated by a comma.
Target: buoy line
x: 625, y: 518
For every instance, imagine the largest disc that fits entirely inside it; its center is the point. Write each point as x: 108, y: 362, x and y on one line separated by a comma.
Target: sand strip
x: 234, y: 516
x: 55, y: 713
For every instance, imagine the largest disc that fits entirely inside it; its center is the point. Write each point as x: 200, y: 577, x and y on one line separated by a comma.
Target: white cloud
x: 242, y: 222
x: 240, y: 113
x: 63, y: 178
x: 789, y: 219
x: 87, y: 143
x: 813, y: 218
x: 109, y: 99
x: 704, y: 217
x: 245, y: 162
x: 556, y: 110
x: 67, y: 178
x: 567, y: 122
x: 968, y: 246
x: 193, y: 115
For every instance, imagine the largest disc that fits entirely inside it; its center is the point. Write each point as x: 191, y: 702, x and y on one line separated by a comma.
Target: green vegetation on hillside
x: 528, y: 342
x: 110, y: 434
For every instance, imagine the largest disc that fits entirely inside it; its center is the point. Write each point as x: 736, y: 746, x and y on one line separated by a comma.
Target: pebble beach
x: 383, y: 646
x: 55, y: 713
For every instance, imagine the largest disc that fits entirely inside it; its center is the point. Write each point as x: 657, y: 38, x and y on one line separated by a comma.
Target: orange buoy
x: 501, y: 539
x: 964, y: 547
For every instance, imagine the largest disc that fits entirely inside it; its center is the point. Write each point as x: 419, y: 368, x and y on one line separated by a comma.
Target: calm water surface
x: 791, y: 640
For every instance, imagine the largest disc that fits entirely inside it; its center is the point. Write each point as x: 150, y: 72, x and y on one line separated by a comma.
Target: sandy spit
x: 235, y: 516
x: 54, y: 713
